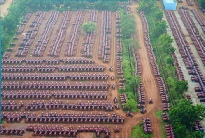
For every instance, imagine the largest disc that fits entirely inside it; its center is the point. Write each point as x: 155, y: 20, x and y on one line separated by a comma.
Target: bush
x: 138, y: 132
x: 183, y: 116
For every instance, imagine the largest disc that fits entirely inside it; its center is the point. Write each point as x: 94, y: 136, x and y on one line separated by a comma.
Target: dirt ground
x: 148, y: 79
x: 4, y: 7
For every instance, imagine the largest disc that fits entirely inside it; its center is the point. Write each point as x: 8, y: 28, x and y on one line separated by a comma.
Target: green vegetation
x: 161, y: 42
x: 183, y: 116
x: 10, y: 22
x: 20, y: 8
x: 202, y: 3
x: 181, y: 86
x: 89, y: 27
x: 128, y: 28
x: 137, y: 132
x: 158, y: 114
x: 111, y: 5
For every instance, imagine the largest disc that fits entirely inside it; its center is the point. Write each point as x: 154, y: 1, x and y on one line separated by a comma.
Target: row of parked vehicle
x: 160, y: 80
x: 59, y: 131
x: 57, y: 43
x: 47, y: 61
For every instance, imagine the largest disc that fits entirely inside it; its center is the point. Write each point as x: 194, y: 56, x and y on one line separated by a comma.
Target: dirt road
x: 4, y: 7
x: 149, y: 82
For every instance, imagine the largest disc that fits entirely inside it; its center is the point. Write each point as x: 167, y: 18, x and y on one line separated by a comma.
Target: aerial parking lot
x: 97, y: 71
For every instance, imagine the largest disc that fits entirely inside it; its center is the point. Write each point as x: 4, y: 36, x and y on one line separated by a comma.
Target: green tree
x: 159, y: 29
x: 131, y: 105
x: 181, y: 86
x: 169, y: 60
x: 202, y: 3
x: 184, y: 115
x: 128, y: 26
x: 131, y: 42
x: 89, y: 27
x: 5, y: 42
x: 170, y: 81
x: 9, y: 23
x: 164, y: 43
x: 158, y: 15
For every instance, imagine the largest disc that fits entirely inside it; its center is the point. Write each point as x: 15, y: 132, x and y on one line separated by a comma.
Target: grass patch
x: 158, y: 114
x: 137, y: 132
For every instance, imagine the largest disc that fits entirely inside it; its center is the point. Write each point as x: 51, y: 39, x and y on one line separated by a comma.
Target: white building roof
x: 169, y: 1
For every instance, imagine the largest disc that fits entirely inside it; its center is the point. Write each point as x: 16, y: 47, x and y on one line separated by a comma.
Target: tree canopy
x: 128, y: 29
x: 112, y: 5
x: 9, y: 23
x: 128, y: 26
x: 159, y: 28
x: 164, y: 43
x: 184, y: 115
x: 202, y: 3
x: 89, y: 27
x: 130, y: 105
x: 181, y: 86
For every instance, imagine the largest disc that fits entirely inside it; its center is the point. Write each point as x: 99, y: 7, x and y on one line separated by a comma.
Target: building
x: 170, y: 4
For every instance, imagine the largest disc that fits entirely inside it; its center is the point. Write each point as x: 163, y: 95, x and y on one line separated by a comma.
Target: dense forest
x: 112, y: 5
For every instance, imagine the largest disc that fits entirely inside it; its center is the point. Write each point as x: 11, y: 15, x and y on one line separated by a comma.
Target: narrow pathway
x: 149, y: 82
x: 113, y: 52
x: 113, y: 41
